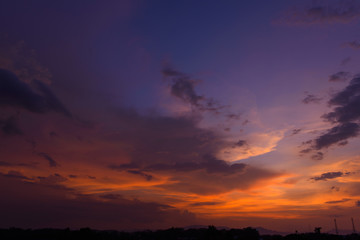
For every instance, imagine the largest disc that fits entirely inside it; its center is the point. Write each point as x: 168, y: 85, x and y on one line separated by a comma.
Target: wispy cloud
x: 182, y: 86
x: 326, y: 13
x: 37, y: 99
x: 330, y: 175
x: 311, y: 98
x: 10, y: 127
x: 353, y: 44
x: 340, y: 77
x: 52, y: 162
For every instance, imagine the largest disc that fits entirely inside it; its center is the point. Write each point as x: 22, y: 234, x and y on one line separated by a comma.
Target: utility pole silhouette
x: 336, y: 228
x: 353, y: 225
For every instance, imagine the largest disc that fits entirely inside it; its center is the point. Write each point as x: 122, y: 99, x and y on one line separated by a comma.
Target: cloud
x: 353, y: 44
x: 148, y: 177
x: 177, y: 149
x: 330, y: 175
x: 317, y: 156
x: 18, y: 58
x: 347, y: 103
x: 163, y: 139
x: 310, y: 98
x: 241, y: 143
x: 52, y: 162
x: 61, y: 207
x: 10, y: 127
x: 345, y: 117
x: 110, y: 196
x: 338, y: 201
x: 53, y: 179
x: 210, y: 176
x: 18, y: 94
x: 295, y: 131
x: 200, y: 204
x: 337, y: 134
x: 343, y: 12
x: 14, y: 174
x: 202, y: 182
x: 9, y: 164
x: 339, y: 77
x: 183, y: 87
x: 357, y: 203
x: 209, y: 164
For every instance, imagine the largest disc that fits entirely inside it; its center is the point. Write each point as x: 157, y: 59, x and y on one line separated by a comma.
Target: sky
x: 155, y: 114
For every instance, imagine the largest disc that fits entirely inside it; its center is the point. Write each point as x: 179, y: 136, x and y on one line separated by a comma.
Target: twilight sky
x: 152, y: 114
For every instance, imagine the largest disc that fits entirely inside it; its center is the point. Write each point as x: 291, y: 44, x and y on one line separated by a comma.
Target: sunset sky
x: 155, y: 114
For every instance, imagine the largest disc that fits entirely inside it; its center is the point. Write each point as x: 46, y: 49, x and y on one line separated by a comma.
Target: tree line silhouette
x: 210, y: 233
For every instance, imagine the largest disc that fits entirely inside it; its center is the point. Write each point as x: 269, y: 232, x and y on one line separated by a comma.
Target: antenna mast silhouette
x: 336, y: 228
x: 353, y: 225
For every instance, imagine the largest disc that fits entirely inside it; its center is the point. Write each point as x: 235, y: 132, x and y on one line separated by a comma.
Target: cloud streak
x: 343, y: 12
x: 330, y: 175
x: 311, y: 98
x: 52, y: 162
x: 339, y: 77
x: 182, y: 87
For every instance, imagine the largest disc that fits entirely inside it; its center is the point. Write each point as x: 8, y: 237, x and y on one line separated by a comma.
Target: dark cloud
x: 234, y: 116
x: 311, y: 98
x: 330, y: 175
x: 241, y: 143
x: 306, y: 150
x: 162, y: 139
x: 209, y: 164
x: 357, y: 203
x: 343, y: 12
x: 200, y: 204
x: 15, y: 93
x: 72, y: 176
x: 210, y: 176
x: 59, y: 208
x: 148, y: 177
x: 353, y: 44
x: 345, y: 117
x: 178, y: 147
x: 317, y: 156
x: 14, y: 174
x: 53, y: 179
x: 338, y: 201
x: 202, y: 182
x: 337, y: 134
x: 340, y: 77
x: 9, y: 164
x: 110, y: 196
x: 183, y: 87
x: 346, y: 103
x: 295, y: 131
x: 52, y: 162
x: 10, y: 127
x: 5, y: 164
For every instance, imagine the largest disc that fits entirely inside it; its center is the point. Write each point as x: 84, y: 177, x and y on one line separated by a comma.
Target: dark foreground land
x: 210, y: 233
